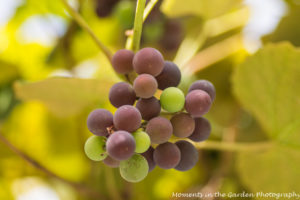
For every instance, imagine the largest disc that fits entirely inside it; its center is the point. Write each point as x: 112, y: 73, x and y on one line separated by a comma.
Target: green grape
x: 95, y: 148
x: 142, y: 141
x: 134, y: 169
x: 172, y: 99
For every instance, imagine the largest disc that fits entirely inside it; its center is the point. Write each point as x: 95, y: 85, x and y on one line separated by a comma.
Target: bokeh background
x: 52, y: 75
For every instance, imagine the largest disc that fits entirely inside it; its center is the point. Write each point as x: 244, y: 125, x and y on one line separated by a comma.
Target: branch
x: 133, y: 41
x: 149, y: 8
x: 86, y: 27
x: 77, y: 186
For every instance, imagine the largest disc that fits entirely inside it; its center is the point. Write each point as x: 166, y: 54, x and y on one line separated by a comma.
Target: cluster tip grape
x: 137, y: 137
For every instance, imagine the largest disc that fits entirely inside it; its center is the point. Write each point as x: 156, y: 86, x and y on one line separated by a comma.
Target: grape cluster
x: 127, y: 138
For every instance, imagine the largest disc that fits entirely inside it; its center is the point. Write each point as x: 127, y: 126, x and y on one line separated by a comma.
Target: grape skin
x: 169, y: 77
x: 142, y: 141
x: 197, y: 103
x: 94, y: 148
x: 183, y: 125
x: 149, y: 157
x: 159, y: 129
x: 121, y: 94
x: 120, y: 145
x: 167, y: 155
x: 202, y: 130
x: 122, y: 61
x: 148, y: 61
x: 189, y: 156
x: 148, y: 108
x: 172, y: 99
x: 127, y: 118
x: 134, y: 169
x: 109, y: 161
x: 204, y: 85
x: 98, y: 121
x: 145, y: 86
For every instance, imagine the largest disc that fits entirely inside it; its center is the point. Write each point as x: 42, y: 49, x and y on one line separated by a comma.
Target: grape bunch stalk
x: 137, y: 137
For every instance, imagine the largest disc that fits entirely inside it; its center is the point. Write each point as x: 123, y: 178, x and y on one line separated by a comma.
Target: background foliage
x: 52, y: 75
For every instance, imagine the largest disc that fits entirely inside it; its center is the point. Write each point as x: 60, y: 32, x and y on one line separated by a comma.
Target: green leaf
x: 267, y: 85
x: 65, y: 96
x: 275, y: 171
x: 202, y: 8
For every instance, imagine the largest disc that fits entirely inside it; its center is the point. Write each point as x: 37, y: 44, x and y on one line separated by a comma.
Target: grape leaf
x: 65, y: 96
x: 203, y: 8
x: 266, y: 85
x: 276, y: 170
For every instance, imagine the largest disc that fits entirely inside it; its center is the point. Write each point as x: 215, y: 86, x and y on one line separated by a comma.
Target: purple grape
x: 127, y: 118
x: 98, y: 121
x: 159, y: 129
x: 120, y: 145
x: 121, y: 94
x: 109, y: 161
x: 149, y: 108
x: 183, y: 125
x: 122, y: 61
x: 197, y: 103
x: 206, y: 86
x: 169, y: 77
x: 149, y: 157
x: 202, y: 130
x: 145, y: 86
x: 189, y: 156
x: 167, y: 155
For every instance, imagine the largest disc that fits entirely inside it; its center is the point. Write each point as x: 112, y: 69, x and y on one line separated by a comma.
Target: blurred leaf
x: 65, y: 96
x: 267, y: 85
x: 203, y: 8
x: 8, y: 73
x: 270, y: 171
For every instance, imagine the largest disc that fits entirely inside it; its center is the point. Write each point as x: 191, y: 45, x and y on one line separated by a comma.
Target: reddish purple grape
x: 121, y: 94
x: 122, y: 61
x: 197, y: 103
x: 169, y: 77
x: 127, y: 118
x: 148, y: 61
x: 109, y: 161
x: 167, y: 155
x: 149, y: 157
x: 120, y: 145
x: 206, y: 86
x: 183, y: 125
x: 189, y: 156
x: 159, y: 129
x: 202, y: 130
x: 149, y: 108
x: 98, y: 121
x: 145, y: 86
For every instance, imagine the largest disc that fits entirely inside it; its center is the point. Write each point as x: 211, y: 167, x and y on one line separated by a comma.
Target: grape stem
x: 133, y: 41
x: 150, y: 5
x: 83, y: 189
x: 86, y: 27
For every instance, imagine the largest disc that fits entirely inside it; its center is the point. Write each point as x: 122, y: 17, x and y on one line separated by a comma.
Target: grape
x: 169, y: 77
x: 94, y: 148
x: 202, y: 130
x: 149, y: 157
x: 142, y: 141
x: 183, y: 125
x: 122, y: 61
x: 145, y: 86
x: 172, y: 99
x: 204, y: 85
x: 121, y: 94
x: 148, y: 61
x: 127, y: 118
x: 159, y: 129
x: 109, y: 161
x: 98, y: 121
x: 167, y: 155
x: 149, y: 108
x: 197, y: 103
x: 135, y: 169
x: 189, y: 156
x: 120, y: 145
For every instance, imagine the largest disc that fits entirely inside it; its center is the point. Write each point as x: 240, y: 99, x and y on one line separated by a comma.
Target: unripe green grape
x: 142, y: 141
x: 95, y: 148
x: 134, y: 169
x: 172, y: 99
